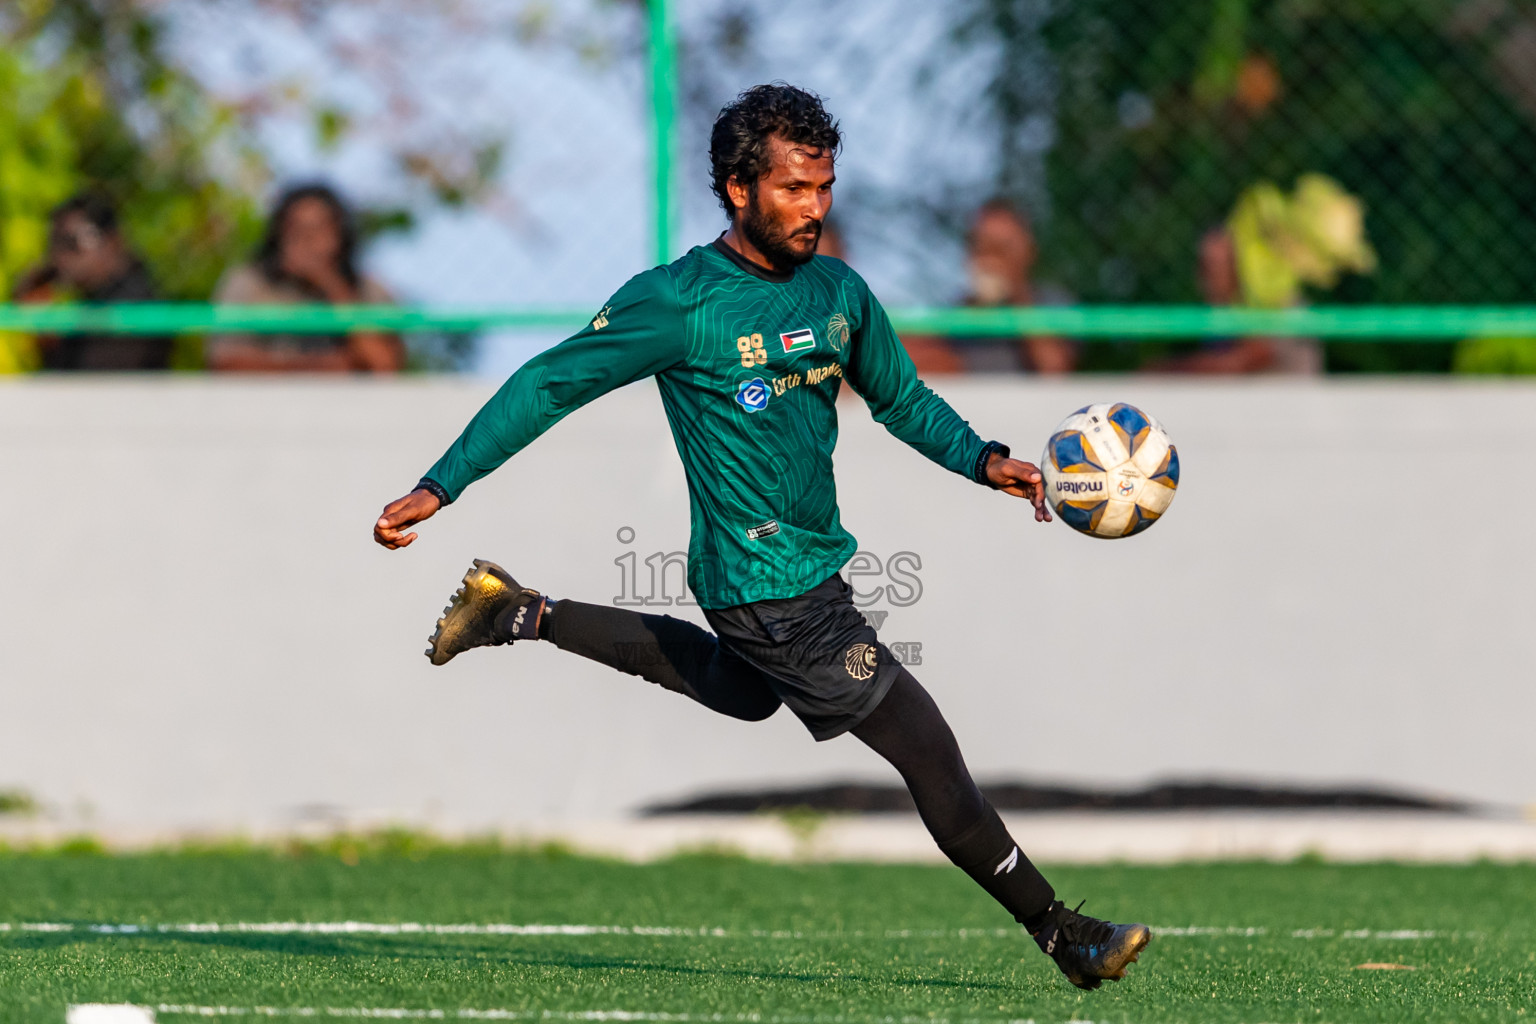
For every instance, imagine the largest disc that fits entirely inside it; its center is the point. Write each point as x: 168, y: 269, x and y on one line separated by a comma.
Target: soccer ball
x: 1110, y: 470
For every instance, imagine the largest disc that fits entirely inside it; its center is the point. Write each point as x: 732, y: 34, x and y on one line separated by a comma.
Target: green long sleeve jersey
x: 749, y: 364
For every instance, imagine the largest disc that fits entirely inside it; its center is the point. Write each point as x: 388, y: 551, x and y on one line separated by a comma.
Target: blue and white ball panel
x: 1110, y: 470
x: 1130, y: 425
x: 1141, y: 518
x: 1167, y: 471
x: 1082, y: 516
x: 1069, y: 452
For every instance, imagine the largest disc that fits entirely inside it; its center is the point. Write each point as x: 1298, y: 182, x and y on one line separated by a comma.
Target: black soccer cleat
x: 490, y: 609
x: 1089, y: 951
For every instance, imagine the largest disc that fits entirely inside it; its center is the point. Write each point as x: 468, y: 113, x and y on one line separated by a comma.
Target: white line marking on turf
x: 1175, y: 930
x: 1363, y: 933
x: 390, y: 1013
x: 418, y: 928
x: 108, y: 1013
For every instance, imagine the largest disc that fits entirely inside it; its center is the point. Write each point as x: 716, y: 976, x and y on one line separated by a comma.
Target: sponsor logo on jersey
x: 838, y: 332
x: 798, y: 341
x: 601, y: 320
x: 1078, y: 486
x: 750, y: 348
x: 762, y: 530
x: 815, y: 375
x: 860, y: 661
x: 752, y: 395
x: 1009, y: 863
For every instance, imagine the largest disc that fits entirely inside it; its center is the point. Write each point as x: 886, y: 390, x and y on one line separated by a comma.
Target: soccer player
x: 749, y: 339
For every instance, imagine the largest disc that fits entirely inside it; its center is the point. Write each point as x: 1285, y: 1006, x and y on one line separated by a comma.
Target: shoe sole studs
x: 437, y: 634
x: 1135, y: 956
x: 1089, y: 984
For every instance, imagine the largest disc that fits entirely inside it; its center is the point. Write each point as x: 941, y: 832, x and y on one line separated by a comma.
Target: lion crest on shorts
x: 860, y: 660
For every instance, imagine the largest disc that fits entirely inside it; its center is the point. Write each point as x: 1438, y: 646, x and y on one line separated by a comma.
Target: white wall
x: 199, y: 632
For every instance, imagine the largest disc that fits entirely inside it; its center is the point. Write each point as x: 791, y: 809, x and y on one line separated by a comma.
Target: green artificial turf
x: 788, y: 943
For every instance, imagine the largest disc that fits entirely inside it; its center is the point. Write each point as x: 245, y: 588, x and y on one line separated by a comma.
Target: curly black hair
x: 95, y: 207
x: 738, y: 144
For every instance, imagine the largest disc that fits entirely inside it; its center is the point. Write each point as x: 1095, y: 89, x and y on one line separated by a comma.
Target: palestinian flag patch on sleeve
x: 798, y: 341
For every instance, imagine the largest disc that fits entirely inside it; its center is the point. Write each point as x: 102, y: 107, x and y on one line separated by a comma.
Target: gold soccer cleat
x: 1089, y: 951
x: 490, y: 609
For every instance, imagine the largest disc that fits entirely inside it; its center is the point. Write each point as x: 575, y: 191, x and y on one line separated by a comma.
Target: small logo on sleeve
x: 752, y: 395
x: 601, y: 320
x: 762, y: 530
x: 798, y: 341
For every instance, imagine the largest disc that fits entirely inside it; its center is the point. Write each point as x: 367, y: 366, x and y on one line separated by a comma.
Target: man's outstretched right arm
x: 638, y: 334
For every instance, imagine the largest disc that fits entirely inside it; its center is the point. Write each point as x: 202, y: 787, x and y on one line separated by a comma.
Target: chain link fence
x: 1244, y: 153
x: 1127, y: 132
x: 494, y: 155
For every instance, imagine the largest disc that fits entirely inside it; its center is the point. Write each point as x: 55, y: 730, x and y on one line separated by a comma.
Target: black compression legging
x: 671, y: 653
x: 906, y: 728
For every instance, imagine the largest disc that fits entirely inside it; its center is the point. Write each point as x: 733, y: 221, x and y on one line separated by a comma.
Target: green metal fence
x: 1423, y: 323
x: 1125, y: 132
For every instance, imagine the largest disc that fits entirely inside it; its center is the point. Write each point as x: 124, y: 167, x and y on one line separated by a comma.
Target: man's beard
x: 773, y: 240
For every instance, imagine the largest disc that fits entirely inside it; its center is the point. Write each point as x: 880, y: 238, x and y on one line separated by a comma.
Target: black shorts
x: 818, y: 653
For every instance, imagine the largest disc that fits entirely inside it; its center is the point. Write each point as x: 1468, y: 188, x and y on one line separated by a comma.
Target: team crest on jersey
x: 752, y: 395
x: 838, y: 332
x: 798, y: 341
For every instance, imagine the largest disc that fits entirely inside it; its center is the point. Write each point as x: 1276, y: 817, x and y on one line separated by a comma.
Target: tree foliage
x: 1163, y: 113
x: 107, y: 95
x: 101, y: 107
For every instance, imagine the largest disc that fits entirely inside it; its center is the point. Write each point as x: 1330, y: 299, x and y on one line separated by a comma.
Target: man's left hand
x: 1021, y: 479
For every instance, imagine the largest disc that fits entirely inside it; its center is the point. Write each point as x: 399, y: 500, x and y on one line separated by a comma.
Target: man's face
x: 782, y: 215
x: 82, y: 253
x: 1002, y: 254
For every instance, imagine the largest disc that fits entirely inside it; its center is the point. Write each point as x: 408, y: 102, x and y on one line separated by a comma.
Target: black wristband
x: 979, y: 471
x: 435, y: 489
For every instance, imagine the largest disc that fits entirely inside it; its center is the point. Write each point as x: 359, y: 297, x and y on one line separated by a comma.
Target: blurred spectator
x: 307, y: 256
x: 1000, y: 263
x: 1221, y: 286
x: 88, y: 260
x: 931, y: 355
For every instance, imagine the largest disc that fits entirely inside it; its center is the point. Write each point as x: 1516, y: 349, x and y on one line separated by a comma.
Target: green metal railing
x: 1120, y: 322
x: 663, y: 119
